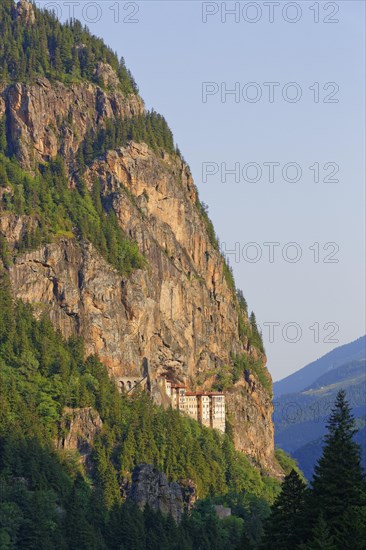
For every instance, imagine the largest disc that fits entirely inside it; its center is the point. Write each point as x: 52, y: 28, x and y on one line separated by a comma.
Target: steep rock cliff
x: 46, y: 119
x: 78, y: 427
x: 179, y: 315
x: 151, y: 487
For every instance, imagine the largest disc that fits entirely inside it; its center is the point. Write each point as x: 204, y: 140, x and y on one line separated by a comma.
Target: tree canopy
x: 48, y: 48
x: 331, y: 513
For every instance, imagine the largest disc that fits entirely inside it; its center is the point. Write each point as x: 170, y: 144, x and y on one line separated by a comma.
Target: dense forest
x: 49, y: 501
x: 65, y: 52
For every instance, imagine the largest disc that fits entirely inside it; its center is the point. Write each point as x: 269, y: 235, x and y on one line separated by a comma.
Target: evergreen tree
x: 244, y: 543
x: 284, y: 528
x: 27, y: 49
x: 321, y: 539
x: 253, y: 321
x: 3, y: 141
x: 256, y: 337
x: 242, y: 301
x: 339, y: 483
x: 79, y: 532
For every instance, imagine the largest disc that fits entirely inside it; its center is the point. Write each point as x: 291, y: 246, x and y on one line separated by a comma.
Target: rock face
x: 253, y: 431
x: 151, y: 487
x: 222, y: 512
x: 77, y: 430
x: 25, y: 12
x: 47, y: 119
x: 178, y: 316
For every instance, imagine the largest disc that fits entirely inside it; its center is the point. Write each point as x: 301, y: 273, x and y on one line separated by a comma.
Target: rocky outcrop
x: 78, y: 427
x: 179, y: 316
x: 13, y: 226
x: 250, y: 413
x: 179, y: 313
x: 25, y: 12
x: 106, y: 76
x: 47, y: 119
x: 151, y: 487
x: 222, y: 512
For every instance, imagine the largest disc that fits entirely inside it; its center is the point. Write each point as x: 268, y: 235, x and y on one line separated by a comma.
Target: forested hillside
x: 46, y: 47
x: 102, y: 228
x: 48, y: 499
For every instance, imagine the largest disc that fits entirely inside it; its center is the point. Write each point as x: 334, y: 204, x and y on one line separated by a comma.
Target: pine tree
x: 284, y: 528
x: 79, y: 532
x: 339, y: 483
x: 256, y: 338
x: 253, y: 321
x: 244, y: 543
x: 3, y: 140
x: 321, y: 539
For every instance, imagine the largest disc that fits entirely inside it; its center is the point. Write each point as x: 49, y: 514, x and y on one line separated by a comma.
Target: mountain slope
x: 304, y: 377
x: 300, y: 417
x: 69, y: 444
x: 103, y: 231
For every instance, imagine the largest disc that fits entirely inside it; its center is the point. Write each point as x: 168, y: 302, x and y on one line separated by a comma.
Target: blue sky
x: 171, y: 53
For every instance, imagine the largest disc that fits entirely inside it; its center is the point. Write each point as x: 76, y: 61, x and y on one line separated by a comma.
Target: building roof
x: 200, y: 393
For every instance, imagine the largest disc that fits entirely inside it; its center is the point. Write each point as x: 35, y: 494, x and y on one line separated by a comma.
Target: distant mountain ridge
x: 300, y: 416
x: 304, y: 377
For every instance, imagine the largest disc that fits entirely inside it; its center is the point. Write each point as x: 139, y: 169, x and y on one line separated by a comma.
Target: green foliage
x: 287, y: 463
x: 224, y: 378
x: 203, y: 211
x: 284, y: 527
x: 241, y: 366
x: 150, y: 128
x: 229, y: 277
x: 246, y: 330
x: 56, y: 211
x: 48, y: 48
x: 242, y: 301
x: 321, y: 539
x: 255, y: 339
x: 44, y: 502
x: 338, y: 484
x: 3, y: 137
x: 243, y: 325
x: 246, y: 363
x: 332, y: 512
x: 182, y: 448
x: 213, y: 240
x: 40, y: 373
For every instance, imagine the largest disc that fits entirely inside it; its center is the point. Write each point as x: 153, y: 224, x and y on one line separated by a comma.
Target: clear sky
x: 298, y: 152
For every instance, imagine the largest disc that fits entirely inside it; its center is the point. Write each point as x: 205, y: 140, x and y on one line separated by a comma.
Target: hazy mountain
x: 300, y: 417
x: 305, y: 377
